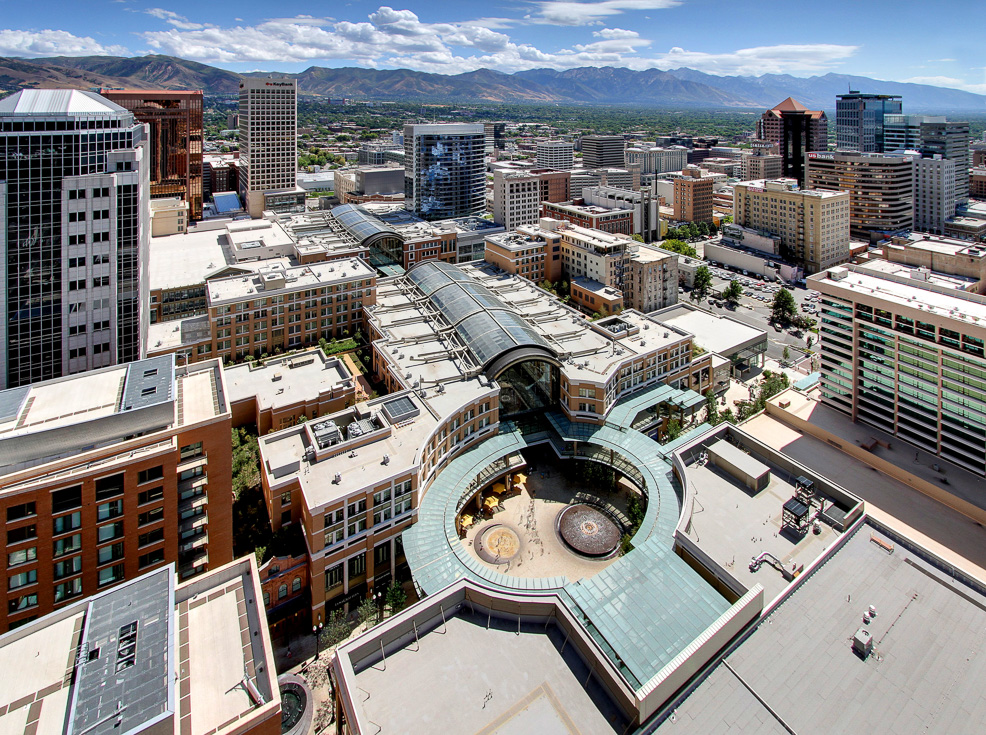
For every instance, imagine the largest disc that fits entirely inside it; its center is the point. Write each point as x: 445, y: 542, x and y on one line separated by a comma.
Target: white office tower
x: 444, y: 175
x: 74, y: 234
x: 557, y: 154
x: 268, y: 162
x: 934, y: 193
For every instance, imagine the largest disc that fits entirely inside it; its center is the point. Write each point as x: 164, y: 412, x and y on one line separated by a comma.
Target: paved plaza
x: 531, y: 515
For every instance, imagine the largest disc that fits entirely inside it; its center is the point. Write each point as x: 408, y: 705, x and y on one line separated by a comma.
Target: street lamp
x: 317, y: 632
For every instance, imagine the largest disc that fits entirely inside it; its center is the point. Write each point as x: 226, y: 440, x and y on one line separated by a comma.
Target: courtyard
x: 521, y: 536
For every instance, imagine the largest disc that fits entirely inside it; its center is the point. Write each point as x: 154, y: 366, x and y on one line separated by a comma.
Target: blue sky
x: 879, y: 38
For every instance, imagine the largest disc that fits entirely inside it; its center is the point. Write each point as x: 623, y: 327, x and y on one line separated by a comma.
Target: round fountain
x: 588, y: 531
x: 498, y: 544
x: 296, y: 704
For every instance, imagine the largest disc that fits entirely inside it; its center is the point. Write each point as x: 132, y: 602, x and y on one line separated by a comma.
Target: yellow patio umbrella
x: 467, y: 520
x: 498, y: 488
x: 520, y: 477
x: 491, y: 502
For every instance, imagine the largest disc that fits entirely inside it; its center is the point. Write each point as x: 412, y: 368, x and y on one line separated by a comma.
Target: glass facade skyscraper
x: 444, y: 175
x: 74, y: 237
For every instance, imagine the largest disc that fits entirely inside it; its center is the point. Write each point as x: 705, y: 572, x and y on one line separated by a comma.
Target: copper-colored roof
x: 790, y: 105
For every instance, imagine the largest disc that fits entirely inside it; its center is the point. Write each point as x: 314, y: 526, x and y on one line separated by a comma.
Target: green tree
x: 732, y: 292
x: 808, y: 341
x: 368, y: 613
x: 786, y: 354
x: 783, y: 309
x: 638, y: 238
x: 395, y: 597
x: 702, y: 282
x: 711, y: 408
x: 680, y: 247
x: 337, y: 629
x: 673, y: 431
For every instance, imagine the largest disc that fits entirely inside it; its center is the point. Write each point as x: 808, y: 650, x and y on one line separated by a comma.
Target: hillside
x: 685, y: 88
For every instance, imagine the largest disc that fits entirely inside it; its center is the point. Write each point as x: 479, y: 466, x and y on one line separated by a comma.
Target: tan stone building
x: 813, y: 225
x: 109, y: 474
x: 881, y: 188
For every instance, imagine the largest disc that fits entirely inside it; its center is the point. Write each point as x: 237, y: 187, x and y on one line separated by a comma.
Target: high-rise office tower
x: 859, y: 120
x: 603, y: 151
x: 949, y: 140
x: 268, y: 162
x: 175, y: 146
x: 556, y: 154
x: 443, y: 170
x: 795, y: 130
x: 880, y: 186
x: 934, y: 193
x: 903, y: 132
x: 496, y: 139
x: 74, y: 232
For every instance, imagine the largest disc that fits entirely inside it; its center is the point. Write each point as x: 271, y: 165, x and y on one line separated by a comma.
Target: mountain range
x: 686, y: 88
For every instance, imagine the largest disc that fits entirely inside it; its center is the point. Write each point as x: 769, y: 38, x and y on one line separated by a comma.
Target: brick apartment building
x: 109, y: 474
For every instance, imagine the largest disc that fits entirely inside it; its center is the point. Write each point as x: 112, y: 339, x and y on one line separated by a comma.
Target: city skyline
x: 512, y: 36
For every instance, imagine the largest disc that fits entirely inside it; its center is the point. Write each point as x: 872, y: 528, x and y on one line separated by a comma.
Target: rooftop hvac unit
x: 337, y: 479
x: 386, y: 459
x: 862, y: 643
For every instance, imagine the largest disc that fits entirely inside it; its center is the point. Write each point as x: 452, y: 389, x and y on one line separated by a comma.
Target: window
x: 151, y: 557
x: 66, y: 499
x: 109, y: 532
x: 151, y: 473
x: 296, y: 585
x: 381, y: 555
x: 109, y: 575
x: 22, y: 556
x: 149, y: 496
x: 68, y: 590
x: 357, y: 527
x: 68, y: 567
x: 266, y: 599
x: 190, y: 451
x: 357, y: 566
x: 286, y: 498
x: 108, y: 487
x: 112, y: 509
x: 24, y: 533
x: 333, y: 576
x: 285, y: 517
x: 67, y: 545
x: 17, y: 512
x: 282, y: 592
x: 113, y: 552
x: 23, y: 579
x: 151, y: 537
x: 355, y: 508
x: 16, y: 604
x: 151, y: 516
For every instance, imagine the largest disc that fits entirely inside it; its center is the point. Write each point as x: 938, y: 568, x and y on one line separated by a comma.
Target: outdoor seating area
x: 525, y: 507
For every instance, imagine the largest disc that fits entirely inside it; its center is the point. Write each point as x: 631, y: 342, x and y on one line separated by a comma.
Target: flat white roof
x: 288, y: 380
x: 185, y: 259
x: 713, y: 332
x: 969, y: 308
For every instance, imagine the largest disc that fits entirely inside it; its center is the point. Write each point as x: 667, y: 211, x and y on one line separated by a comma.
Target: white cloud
x: 398, y: 38
x: 53, y: 43
x: 781, y: 59
x: 573, y: 13
x: 178, y: 21
x: 939, y: 81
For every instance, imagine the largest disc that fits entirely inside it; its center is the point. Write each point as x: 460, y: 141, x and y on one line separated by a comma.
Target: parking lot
x: 754, y: 309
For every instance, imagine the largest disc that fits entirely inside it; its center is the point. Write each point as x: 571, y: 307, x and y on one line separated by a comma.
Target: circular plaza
x: 549, y: 518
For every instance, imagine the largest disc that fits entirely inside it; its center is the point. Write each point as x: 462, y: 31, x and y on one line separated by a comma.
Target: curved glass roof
x: 361, y: 224
x: 486, y: 325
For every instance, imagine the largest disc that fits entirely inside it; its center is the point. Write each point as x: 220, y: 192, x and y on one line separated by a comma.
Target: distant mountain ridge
x: 686, y: 88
